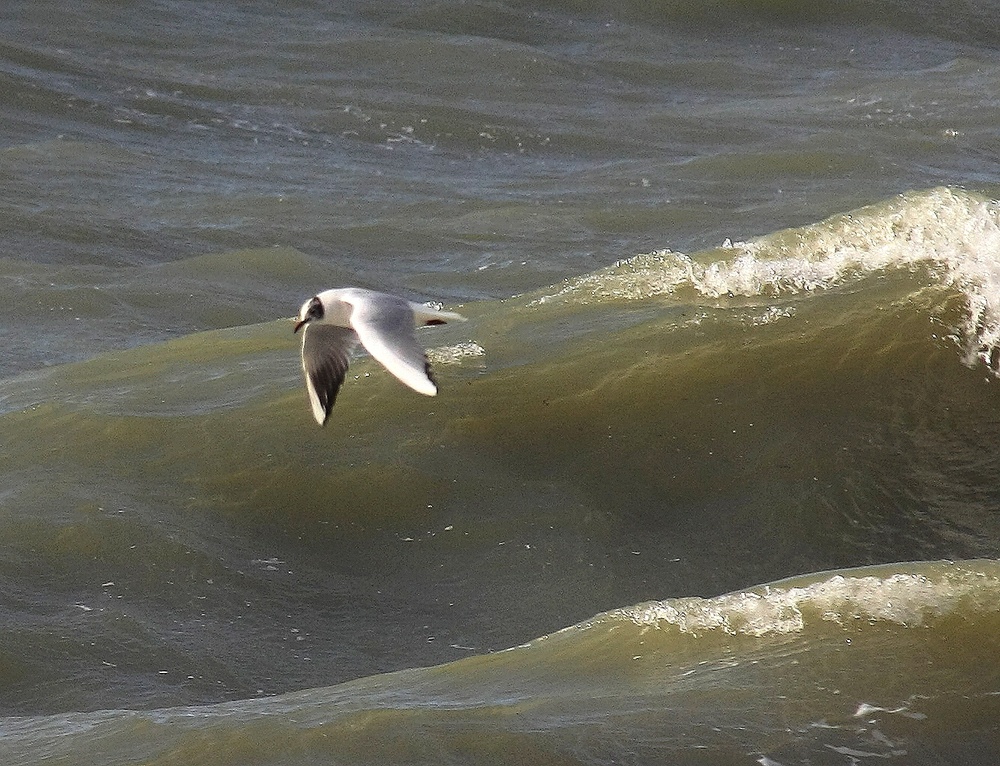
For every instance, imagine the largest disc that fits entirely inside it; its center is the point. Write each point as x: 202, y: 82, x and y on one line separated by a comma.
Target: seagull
x: 334, y: 321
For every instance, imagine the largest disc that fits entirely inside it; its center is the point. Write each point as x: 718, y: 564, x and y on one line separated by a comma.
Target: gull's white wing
x: 326, y: 352
x: 384, y: 323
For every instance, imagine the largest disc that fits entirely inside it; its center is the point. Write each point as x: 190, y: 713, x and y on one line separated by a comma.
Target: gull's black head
x: 311, y: 309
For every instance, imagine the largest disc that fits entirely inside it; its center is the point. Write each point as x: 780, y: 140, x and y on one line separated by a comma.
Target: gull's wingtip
x: 320, y: 413
x: 425, y: 314
x: 427, y: 388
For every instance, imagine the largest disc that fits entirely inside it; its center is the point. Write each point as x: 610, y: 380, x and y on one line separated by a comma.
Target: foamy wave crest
x: 455, y: 354
x: 909, y: 599
x: 953, y: 234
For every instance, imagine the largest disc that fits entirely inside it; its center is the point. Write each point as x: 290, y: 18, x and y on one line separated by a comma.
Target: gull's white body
x: 335, y: 321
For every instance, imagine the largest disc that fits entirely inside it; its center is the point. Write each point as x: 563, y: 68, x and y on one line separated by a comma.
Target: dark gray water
x: 732, y: 281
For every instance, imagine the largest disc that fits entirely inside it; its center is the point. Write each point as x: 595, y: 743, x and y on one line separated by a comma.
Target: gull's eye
x: 315, y: 310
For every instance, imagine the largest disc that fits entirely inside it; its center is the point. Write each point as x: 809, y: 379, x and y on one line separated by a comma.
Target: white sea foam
x: 865, y: 709
x: 908, y: 599
x: 455, y: 354
x: 952, y: 234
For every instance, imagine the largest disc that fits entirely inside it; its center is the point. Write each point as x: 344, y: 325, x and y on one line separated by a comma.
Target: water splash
x: 907, y: 599
x: 952, y: 235
x: 456, y: 353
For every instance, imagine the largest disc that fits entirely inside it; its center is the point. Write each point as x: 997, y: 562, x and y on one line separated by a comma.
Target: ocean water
x: 712, y: 474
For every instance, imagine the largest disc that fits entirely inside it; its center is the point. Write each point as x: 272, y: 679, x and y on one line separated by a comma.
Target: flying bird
x: 335, y: 321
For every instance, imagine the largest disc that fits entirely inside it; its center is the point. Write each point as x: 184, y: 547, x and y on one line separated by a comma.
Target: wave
x: 848, y: 683
x: 964, y: 22
x: 913, y: 599
x: 951, y: 236
x: 670, y: 425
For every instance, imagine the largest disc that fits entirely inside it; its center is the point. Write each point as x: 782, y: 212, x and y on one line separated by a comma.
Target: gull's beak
x: 299, y: 323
